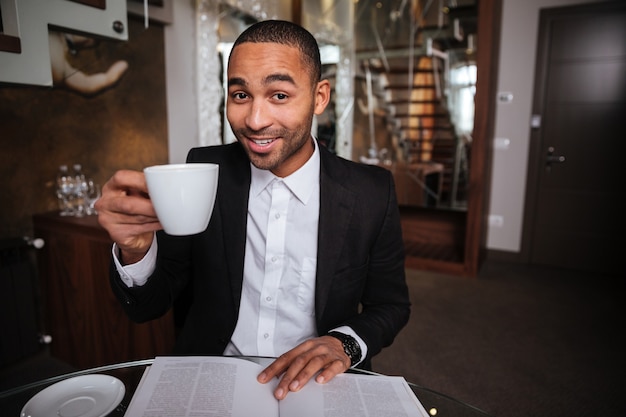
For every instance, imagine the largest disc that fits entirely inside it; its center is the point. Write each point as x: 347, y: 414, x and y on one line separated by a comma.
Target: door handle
x: 551, y: 158
x: 555, y: 158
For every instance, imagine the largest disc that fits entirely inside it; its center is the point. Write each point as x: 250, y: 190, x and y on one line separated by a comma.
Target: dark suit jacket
x: 360, y: 279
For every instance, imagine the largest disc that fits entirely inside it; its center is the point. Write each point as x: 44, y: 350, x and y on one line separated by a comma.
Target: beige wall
x: 179, y: 74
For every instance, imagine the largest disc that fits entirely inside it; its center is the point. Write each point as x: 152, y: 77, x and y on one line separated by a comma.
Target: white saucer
x: 82, y: 396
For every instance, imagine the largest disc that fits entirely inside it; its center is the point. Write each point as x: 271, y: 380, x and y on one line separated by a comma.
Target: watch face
x: 350, y: 346
x: 353, y: 349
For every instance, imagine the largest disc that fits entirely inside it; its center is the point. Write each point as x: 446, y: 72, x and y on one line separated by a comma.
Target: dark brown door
x: 577, y: 174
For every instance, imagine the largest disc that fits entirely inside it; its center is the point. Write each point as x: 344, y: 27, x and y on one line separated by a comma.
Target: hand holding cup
x: 126, y: 213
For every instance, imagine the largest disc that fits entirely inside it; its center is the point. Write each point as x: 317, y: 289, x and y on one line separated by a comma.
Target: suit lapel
x: 233, y: 202
x: 336, y: 206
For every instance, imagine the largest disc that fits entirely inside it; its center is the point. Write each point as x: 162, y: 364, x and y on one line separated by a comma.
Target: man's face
x: 271, y: 103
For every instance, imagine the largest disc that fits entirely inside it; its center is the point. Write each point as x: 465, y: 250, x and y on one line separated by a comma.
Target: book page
x: 353, y: 395
x: 203, y: 386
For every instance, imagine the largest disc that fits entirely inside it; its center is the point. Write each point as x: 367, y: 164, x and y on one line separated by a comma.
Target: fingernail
x: 279, y: 393
x: 319, y: 379
x: 294, y: 385
x: 262, y: 377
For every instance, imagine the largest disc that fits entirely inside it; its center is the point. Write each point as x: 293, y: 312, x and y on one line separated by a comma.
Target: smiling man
x: 274, y: 90
x: 303, y: 258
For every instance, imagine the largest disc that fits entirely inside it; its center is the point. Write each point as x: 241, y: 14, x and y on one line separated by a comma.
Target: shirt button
x: 268, y: 299
x: 273, y: 259
x: 277, y: 216
x: 266, y: 335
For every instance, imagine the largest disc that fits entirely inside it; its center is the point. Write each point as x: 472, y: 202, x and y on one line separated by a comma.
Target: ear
x: 322, y: 96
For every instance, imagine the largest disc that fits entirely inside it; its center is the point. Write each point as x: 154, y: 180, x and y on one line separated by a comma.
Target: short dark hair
x: 286, y: 33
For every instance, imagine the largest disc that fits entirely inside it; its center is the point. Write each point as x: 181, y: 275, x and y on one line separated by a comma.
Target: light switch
x: 501, y: 143
x: 496, y: 220
x: 505, y: 97
x: 535, y: 121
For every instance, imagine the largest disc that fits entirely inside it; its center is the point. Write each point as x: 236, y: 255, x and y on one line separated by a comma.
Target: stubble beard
x: 292, y: 142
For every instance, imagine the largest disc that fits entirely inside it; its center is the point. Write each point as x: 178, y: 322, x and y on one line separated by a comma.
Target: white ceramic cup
x: 183, y: 195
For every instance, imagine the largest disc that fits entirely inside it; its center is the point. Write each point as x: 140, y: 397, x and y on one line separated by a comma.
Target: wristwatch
x: 350, y: 346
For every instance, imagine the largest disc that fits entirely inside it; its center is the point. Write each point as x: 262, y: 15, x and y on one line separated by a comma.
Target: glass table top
x: 13, y: 400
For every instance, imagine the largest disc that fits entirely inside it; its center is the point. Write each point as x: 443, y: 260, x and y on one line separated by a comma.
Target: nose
x: 258, y: 116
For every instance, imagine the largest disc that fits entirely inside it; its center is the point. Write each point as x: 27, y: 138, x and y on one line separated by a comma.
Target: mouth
x: 263, y: 145
x: 262, y: 142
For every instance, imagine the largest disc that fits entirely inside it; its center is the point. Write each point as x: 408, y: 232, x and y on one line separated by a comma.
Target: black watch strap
x: 350, y: 346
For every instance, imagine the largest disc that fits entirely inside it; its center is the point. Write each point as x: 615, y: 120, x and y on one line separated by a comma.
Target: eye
x: 239, y: 95
x: 280, y: 96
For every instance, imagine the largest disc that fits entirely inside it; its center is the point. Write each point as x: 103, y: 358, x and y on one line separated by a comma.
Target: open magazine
x: 193, y: 386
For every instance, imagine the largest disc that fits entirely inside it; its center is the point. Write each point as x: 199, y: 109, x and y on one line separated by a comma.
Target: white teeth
x: 263, y: 142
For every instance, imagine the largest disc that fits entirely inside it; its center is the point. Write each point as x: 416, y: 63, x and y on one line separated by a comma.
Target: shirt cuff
x: 136, y: 275
x: 348, y: 330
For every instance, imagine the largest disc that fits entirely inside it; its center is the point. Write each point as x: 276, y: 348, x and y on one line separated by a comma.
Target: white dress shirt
x: 277, y: 308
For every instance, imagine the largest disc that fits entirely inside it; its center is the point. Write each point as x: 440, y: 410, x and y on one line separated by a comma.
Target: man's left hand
x: 323, y: 354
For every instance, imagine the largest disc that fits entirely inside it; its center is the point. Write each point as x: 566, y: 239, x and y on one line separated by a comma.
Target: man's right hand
x: 126, y: 212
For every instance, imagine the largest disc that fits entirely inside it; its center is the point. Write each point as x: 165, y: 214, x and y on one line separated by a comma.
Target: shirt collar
x: 301, y: 183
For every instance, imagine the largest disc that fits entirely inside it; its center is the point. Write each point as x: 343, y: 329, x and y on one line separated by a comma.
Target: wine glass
x: 81, y: 188
x: 65, y: 193
x: 92, y: 194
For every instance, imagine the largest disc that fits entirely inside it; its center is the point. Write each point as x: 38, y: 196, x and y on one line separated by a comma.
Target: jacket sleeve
x: 361, y: 272
x: 385, y: 305
x: 154, y: 298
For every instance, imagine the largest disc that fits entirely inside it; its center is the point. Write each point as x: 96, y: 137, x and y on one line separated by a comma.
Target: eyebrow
x: 278, y: 77
x: 238, y: 81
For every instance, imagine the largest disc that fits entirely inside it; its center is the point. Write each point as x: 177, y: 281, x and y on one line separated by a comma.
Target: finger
x: 127, y: 213
x: 335, y: 368
x: 277, y: 367
x: 125, y: 193
x: 133, y: 208
x: 288, y: 382
x: 129, y: 181
x: 125, y: 199
x: 288, y: 365
x: 306, y: 361
x: 325, y: 361
x: 298, y: 375
x: 132, y: 214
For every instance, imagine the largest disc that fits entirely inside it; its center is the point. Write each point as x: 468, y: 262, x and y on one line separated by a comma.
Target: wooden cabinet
x: 87, y: 324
